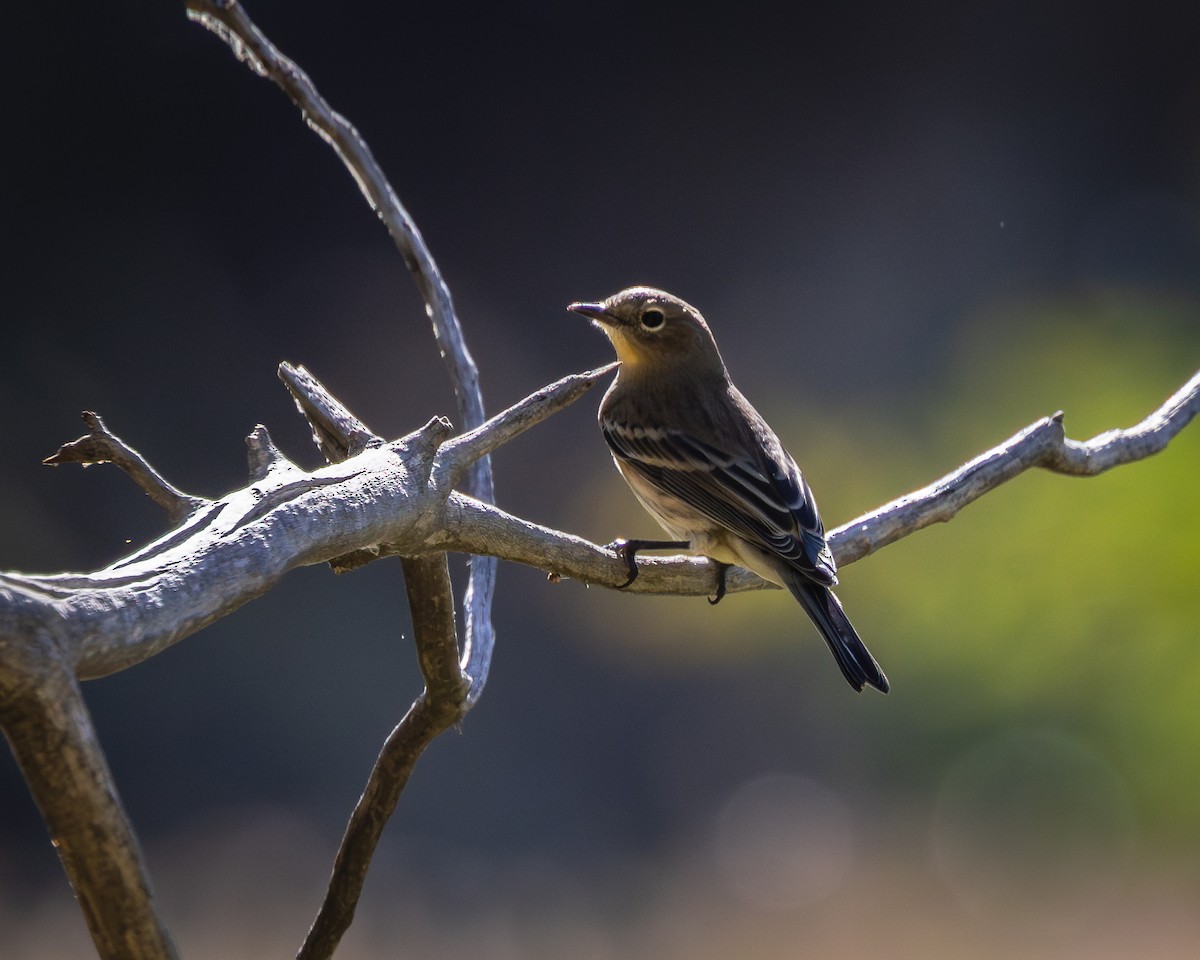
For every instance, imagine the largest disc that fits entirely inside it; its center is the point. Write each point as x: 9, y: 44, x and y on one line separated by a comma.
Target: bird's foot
x: 627, y: 550
x: 722, y: 569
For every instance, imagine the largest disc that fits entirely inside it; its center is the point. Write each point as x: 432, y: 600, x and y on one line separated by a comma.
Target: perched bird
x: 709, y: 469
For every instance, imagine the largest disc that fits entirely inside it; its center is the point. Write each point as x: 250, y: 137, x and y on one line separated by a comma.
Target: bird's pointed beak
x: 594, y: 311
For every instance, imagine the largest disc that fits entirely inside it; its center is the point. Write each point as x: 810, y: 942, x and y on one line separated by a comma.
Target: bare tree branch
x: 472, y: 526
x: 444, y: 701
x: 44, y: 717
x: 236, y: 548
x: 1116, y: 447
x: 99, y: 445
x: 442, y: 704
x: 1041, y: 444
x: 89, y: 625
x: 448, y: 693
x: 457, y: 455
x: 337, y: 432
x: 416, y: 497
x: 228, y: 20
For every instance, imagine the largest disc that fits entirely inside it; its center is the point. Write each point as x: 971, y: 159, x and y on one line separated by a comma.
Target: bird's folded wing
x: 763, y: 500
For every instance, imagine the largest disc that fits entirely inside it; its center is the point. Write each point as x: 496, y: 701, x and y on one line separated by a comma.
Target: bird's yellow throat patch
x: 629, y: 351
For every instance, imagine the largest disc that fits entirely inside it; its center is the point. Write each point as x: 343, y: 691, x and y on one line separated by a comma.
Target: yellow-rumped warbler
x: 709, y: 469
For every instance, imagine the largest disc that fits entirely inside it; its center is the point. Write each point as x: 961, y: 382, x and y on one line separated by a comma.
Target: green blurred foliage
x: 1067, y: 603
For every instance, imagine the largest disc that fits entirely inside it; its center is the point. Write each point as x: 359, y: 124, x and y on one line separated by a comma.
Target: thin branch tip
x: 431, y: 436
x: 464, y: 451
x: 261, y: 453
x: 101, y: 445
x: 337, y: 432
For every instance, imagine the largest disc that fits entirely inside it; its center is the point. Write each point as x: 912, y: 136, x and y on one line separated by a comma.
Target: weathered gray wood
x: 50, y: 730
x: 415, y: 497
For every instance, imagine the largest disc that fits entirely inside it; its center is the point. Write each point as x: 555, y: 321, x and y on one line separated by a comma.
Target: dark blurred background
x: 914, y: 229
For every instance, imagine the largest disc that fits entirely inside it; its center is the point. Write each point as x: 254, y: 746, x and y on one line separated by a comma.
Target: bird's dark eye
x: 653, y: 318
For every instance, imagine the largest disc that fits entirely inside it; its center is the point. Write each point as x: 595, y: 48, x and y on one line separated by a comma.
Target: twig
x: 337, y: 432
x: 440, y: 706
x: 1115, y: 447
x: 262, y: 456
x: 100, y: 445
x: 1041, y: 444
x: 229, y: 21
x: 457, y: 455
x: 473, y: 527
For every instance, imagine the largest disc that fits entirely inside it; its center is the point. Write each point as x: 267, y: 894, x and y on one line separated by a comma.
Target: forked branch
x: 99, y: 445
x: 472, y: 526
x: 416, y: 497
x: 395, y: 498
x: 229, y: 21
x: 1041, y: 444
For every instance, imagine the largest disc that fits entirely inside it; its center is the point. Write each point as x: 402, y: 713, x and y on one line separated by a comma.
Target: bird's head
x: 653, y: 331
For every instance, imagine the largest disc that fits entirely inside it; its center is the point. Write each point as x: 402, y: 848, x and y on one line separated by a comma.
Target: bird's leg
x: 627, y: 550
x: 722, y: 569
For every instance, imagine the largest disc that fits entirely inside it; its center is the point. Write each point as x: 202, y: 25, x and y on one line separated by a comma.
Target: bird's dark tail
x: 858, y: 666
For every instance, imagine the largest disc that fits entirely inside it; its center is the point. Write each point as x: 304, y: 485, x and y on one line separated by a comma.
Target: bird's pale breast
x: 683, y: 522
